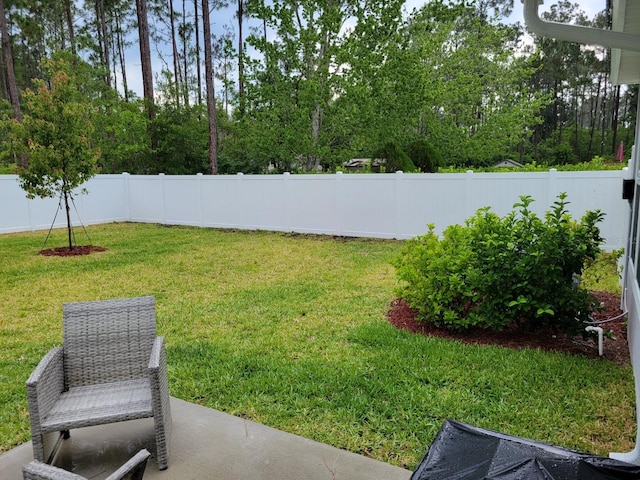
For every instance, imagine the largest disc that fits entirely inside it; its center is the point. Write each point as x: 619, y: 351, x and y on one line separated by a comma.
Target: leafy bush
x: 563, y: 155
x: 396, y: 158
x: 424, y: 156
x: 495, y: 272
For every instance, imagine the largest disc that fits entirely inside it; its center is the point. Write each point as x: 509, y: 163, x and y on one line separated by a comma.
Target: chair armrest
x: 160, y: 400
x: 133, y: 469
x: 45, y: 385
x: 158, y: 374
x: 158, y: 355
x: 42, y: 471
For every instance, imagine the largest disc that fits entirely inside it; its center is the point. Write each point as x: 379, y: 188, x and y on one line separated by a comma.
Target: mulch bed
x: 75, y: 251
x: 615, y: 348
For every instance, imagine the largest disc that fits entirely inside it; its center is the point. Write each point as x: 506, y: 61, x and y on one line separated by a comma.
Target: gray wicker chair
x: 112, y: 367
x: 133, y: 469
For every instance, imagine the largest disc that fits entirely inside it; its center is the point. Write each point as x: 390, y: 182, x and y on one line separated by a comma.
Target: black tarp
x: 464, y: 452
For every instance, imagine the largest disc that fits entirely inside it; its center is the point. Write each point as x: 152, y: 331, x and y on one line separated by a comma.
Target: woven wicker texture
x: 133, y: 469
x: 111, y: 368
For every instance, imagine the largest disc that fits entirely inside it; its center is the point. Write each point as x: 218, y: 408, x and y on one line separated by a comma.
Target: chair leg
x: 37, y: 441
x: 45, y: 445
x: 162, y: 444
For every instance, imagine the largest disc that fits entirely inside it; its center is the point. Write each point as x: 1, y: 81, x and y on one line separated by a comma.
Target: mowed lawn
x: 290, y: 331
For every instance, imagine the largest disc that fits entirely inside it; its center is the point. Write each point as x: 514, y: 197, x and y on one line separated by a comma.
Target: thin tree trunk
x: 594, y: 117
x: 185, y: 60
x: 69, y: 17
x: 174, y: 47
x: 211, y: 97
x: 241, y: 105
x: 614, y: 119
x: 67, y: 210
x: 123, y: 68
x: 198, y: 71
x: 103, y: 40
x: 11, y: 76
x: 603, y: 114
x: 145, y: 60
x: 4, y: 88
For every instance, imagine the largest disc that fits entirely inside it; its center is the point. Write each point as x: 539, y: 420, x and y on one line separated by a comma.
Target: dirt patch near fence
x: 615, y: 346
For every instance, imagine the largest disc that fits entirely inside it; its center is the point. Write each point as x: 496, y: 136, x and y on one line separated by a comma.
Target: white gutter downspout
x: 576, y: 33
x: 610, y: 39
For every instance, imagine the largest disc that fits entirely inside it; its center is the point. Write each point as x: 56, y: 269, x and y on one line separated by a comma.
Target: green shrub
x: 563, y: 155
x: 424, y: 156
x: 496, y: 272
x: 396, y: 159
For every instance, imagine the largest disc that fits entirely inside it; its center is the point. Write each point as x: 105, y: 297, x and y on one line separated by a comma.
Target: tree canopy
x: 313, y: 84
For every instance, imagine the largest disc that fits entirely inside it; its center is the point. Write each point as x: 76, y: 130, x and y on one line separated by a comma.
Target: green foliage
x: 182, y: 134
x: 122, y: 135
x: 395, y: 159
x: 604, y: 273
x: 563, y: 154
x: 495, y: 272
x: 596, y: 163
x: 424, y: 156
x: 55, y: 134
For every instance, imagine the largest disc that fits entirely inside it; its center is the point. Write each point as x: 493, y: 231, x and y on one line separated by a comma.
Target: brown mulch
x: 615, y: 346
x: 75, y: 251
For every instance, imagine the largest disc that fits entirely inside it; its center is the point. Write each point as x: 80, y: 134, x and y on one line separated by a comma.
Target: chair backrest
x: 107, y: 341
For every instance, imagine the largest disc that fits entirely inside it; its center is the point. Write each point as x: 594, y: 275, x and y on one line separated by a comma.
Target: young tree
x: 55, y: 137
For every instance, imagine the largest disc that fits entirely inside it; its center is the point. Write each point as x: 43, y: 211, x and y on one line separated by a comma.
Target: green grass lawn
x: 290, y: 331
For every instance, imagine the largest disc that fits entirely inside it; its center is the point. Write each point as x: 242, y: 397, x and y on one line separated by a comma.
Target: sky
x: 134, y: 80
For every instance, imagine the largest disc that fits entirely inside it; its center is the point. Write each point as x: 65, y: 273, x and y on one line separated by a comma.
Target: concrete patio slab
x: 206, y: 444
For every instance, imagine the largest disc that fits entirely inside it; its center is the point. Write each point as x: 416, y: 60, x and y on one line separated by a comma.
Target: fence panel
x: 364, y: 205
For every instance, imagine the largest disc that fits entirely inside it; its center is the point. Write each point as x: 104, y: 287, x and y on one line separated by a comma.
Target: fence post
x: 200, y: 206
x: 162, y: 199
x: 468, y: 194
x: 396, y: 200
x: 339, y: 206
x: 553, y: 186
x: 287, y: 202
x: 240, y: 176
x: 32, y: 227
x: 127, y: 193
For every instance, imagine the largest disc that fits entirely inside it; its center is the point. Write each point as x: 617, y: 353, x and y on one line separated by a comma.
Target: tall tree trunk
x: 103, y: 40
x: 11, y: 76
x: 174, y: 46
x: 211, y: 96
x: 594, y: 116
x: 69, y: 18
x: 241, y: 105
x: 185, y: 61
x: 145, y: 60
x: 198, y: 72
x: 603, y: 113
x: 4, y: 88
x: 614, y: 118
x: 120, y: 44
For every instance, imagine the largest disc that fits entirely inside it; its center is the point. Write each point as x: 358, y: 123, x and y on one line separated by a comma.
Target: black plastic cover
x: 464, y: 452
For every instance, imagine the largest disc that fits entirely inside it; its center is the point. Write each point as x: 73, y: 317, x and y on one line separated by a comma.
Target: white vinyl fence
x: 361, y: 205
